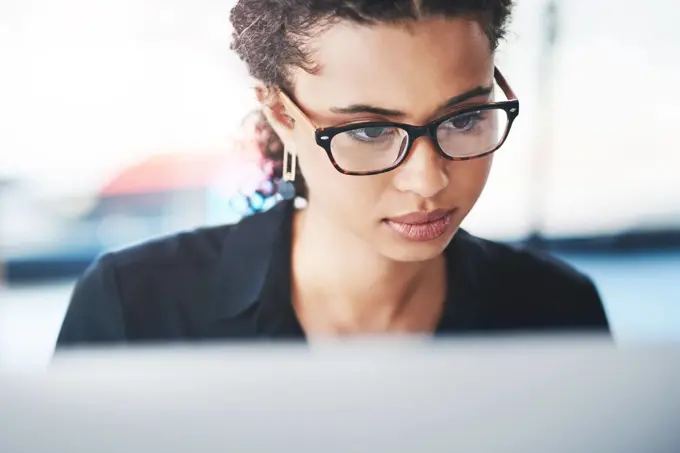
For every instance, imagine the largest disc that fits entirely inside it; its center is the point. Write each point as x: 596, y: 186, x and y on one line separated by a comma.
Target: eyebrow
x: 363, y: 108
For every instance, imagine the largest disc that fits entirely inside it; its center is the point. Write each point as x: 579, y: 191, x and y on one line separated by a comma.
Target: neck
x: 341, y: 284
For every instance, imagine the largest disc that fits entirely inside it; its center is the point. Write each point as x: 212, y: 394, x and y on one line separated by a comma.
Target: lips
x: 421, y: 226
x: 416, y: 218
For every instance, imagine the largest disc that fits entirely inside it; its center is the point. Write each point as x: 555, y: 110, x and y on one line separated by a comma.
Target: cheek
x: 334, y: 190
x: 316, y: 167
x: 469, y: 177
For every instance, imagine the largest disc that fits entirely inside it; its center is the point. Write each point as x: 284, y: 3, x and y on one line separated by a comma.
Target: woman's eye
x: 464, y: 122
x: 371, y: 133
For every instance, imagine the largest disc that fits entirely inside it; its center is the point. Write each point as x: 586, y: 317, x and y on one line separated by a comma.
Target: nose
x: 423, y: 172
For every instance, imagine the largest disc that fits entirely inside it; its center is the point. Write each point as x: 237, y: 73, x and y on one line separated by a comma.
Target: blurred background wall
x: 119, y: 121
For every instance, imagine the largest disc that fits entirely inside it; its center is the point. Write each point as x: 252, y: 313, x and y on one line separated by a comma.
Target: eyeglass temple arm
x: 291, y: 106
x: 503, y: 83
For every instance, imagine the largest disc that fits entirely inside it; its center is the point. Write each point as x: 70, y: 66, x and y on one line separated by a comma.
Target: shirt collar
x: 247, y: 264
x: 466, y: 283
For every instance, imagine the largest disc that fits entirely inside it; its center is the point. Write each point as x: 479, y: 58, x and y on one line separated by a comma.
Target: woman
x: 390, y: 109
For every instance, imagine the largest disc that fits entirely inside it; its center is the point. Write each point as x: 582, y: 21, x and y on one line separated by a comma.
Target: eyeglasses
x: 370, y: 148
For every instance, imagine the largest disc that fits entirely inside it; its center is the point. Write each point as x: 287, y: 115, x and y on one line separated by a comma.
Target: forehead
x: 411, y: 68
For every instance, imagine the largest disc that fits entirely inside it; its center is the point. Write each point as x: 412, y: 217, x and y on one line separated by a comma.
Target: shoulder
x: 531, y: 288
x: 521, y: 263
x: 136, y: 292
x: 186, y: 249
x: 168, y: 287
x: 199, y: 250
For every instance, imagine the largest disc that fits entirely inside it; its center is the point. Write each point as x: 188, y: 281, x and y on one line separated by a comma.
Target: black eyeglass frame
x: 324, y: 135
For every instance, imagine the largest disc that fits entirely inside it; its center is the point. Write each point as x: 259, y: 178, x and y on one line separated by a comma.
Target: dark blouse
x: 233, y: 282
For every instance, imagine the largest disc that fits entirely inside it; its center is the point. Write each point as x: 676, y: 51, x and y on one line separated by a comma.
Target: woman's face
x: 410, y: 73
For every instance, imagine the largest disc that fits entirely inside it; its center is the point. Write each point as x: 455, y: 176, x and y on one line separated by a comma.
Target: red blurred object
x: 170, y: 172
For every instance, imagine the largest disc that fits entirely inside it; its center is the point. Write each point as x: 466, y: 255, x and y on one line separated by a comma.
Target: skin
x: 351, y: 272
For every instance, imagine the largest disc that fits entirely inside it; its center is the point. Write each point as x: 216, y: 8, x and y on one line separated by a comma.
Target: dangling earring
x: 286, y: 188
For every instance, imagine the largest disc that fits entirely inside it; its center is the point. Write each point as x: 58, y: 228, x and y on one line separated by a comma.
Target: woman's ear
x: 274, y: 111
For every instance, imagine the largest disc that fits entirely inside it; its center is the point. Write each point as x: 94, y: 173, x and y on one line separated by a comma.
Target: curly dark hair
x: 270, y: 37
